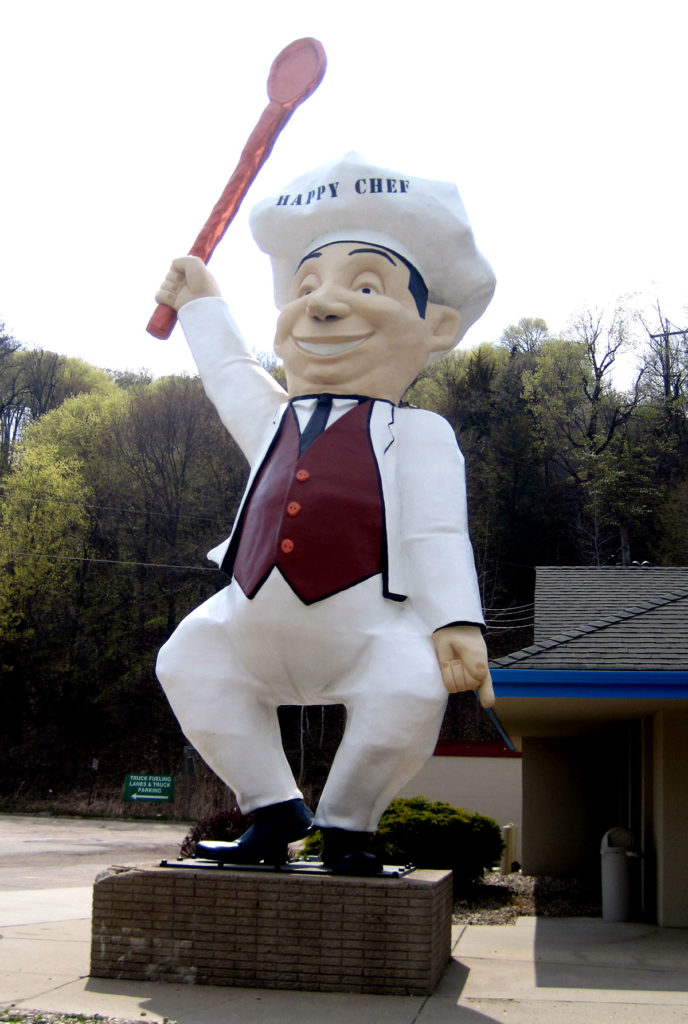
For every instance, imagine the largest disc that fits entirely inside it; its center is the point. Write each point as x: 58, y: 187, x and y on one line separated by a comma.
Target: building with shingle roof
x: 598, y: 706
x: 594, y: 618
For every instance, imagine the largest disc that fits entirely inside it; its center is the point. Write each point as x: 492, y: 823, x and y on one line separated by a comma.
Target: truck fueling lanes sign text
x: 149, y: 788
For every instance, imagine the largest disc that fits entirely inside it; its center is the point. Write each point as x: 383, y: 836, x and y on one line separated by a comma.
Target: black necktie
x: 316, y: 423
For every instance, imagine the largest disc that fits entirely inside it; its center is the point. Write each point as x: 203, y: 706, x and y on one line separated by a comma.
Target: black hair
x: 417, y: 287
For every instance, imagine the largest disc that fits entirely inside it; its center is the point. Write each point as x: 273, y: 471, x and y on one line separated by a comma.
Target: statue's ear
x: 445, y: 327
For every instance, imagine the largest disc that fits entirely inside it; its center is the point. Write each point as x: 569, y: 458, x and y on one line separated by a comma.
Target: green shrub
x: 433, y: 834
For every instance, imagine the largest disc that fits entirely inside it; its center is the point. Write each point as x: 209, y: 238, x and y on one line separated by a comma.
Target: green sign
x: 149, y: 788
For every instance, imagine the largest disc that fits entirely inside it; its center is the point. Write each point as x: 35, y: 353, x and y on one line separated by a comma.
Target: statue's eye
x: 367, y: 284
x: 307, y: 286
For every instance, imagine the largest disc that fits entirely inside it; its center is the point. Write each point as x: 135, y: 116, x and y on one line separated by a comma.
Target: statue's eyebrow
x: 315, y: 255
x: 376, y: 252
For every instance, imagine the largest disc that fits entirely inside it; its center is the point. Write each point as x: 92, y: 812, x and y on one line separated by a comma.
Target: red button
x: 287, y: 546
x: 302, y: 475
x: 293, y: 508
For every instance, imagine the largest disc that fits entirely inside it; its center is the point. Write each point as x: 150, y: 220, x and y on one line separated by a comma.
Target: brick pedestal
x: 273, y: 930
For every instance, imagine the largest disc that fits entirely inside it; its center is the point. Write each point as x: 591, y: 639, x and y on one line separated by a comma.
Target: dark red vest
x: 318, y: 518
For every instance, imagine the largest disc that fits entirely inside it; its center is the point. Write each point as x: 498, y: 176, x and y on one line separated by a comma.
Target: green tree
x: 35, y: 381
x: 664, y: 416
x: 42, y: 522
x: 584, y: 429
x: 106, y: 517
x: 12, y: 389
x: 665, y: 385
x: 525, y: 336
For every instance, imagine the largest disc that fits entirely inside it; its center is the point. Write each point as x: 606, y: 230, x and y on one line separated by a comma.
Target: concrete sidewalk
x: 538, y: 971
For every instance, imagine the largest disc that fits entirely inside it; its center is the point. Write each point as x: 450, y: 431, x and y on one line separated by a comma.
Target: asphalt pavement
x: 540, y: 970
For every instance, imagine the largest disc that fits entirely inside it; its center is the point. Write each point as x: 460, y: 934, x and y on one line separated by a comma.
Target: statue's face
x: 352, y: 326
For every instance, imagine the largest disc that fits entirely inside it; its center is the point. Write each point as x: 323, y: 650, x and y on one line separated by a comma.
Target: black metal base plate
x: 306, y: 866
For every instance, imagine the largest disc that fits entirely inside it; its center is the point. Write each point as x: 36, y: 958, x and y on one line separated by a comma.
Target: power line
x: 116, y: 508
x: 505, y: 629
x: 511, y: 618
x: 106, y: 561
x: 511, y: 608
x: 516, y: 624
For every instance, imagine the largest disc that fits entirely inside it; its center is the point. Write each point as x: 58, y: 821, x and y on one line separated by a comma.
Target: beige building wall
x: 671, y: 817
x: 488, y: 785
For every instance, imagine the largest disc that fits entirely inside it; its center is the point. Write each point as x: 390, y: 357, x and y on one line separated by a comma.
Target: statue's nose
x: 324, y: 304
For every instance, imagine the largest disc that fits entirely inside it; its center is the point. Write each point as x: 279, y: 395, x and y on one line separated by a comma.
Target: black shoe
x: 344, y: 853
x: 267, y: 839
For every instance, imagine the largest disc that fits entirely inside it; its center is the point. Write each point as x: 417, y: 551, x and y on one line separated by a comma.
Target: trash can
x: 509, y: 835
x: 618, y: 853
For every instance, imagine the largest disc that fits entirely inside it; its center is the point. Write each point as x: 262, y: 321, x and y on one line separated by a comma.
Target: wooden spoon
x: 296, y: 72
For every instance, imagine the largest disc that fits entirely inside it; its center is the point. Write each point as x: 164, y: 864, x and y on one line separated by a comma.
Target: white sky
x: 563, y: 124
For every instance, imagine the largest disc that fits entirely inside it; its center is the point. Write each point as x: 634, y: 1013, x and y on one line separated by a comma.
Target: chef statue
x: 352, y: 578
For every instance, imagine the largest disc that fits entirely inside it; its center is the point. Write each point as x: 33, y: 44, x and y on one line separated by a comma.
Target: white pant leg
x: 394, y: 716
x: 223, y: 708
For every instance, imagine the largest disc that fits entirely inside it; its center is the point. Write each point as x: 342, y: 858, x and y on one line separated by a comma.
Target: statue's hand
x: 188, y: 278
x: 462, y: 655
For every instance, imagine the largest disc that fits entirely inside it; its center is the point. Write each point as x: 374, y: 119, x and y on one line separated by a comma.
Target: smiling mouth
x: 328, y: 348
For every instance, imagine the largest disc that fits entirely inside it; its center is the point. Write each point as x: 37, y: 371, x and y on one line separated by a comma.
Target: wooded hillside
x: 113, y: 486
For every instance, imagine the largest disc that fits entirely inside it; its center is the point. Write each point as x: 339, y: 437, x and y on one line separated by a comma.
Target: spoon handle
x: 254, y: 154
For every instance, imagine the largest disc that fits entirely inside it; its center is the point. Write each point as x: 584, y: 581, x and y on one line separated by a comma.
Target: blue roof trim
x: 524, y: 682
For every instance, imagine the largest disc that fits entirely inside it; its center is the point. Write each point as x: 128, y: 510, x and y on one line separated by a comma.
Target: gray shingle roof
x: 630, y: 618
x: 571, y: 596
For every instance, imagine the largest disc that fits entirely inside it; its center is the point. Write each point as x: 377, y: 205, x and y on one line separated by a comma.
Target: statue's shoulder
x: 425, y: 419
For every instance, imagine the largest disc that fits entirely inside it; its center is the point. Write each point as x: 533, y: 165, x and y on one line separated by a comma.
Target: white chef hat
x: 352, y: 200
